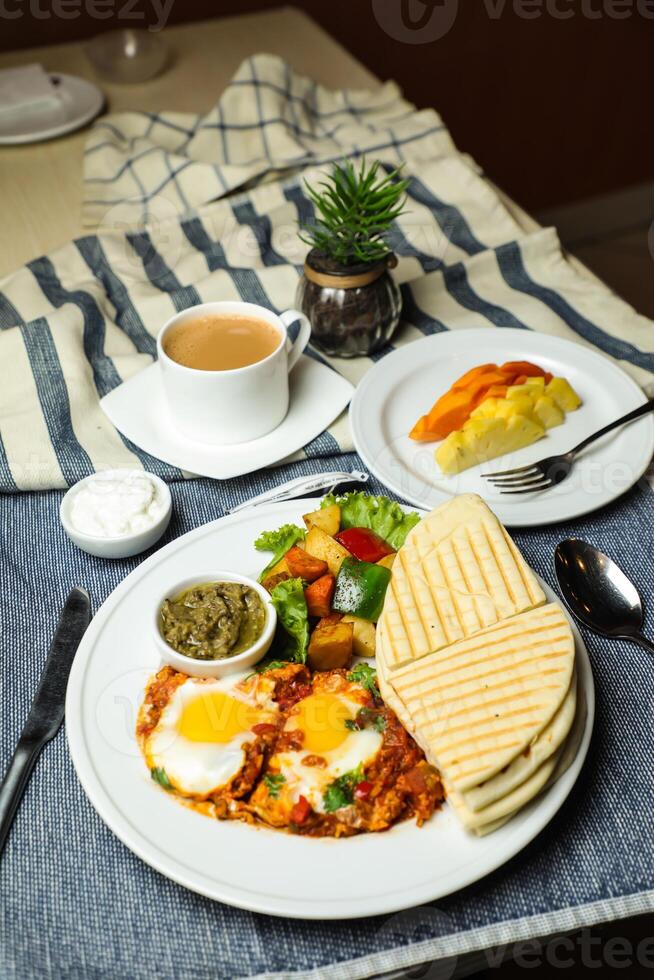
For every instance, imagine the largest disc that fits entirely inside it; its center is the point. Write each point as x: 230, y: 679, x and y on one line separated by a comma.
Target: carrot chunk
x: 319, y: 596
x: 302, y: 565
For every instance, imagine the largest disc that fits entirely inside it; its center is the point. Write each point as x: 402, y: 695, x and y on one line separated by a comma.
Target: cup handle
x: 302, y: 339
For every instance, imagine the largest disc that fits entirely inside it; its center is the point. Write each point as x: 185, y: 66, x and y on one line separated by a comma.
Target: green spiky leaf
x: 354, y: 212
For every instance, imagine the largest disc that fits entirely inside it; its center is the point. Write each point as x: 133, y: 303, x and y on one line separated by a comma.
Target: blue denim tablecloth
x: 75, y: 903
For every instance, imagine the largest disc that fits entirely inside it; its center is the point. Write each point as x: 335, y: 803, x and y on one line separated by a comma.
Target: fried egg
x: 330, y: 749
x: 198, y: 741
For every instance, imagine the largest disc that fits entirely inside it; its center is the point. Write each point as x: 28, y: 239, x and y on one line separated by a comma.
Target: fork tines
x: 524, y: 479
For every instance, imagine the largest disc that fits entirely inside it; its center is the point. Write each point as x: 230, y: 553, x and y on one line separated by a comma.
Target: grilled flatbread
x: 458, y: 573
x: 482, y: 701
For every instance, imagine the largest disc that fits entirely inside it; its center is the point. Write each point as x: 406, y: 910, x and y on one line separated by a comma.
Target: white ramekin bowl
x: 124, y: 545
x: 227, y: 665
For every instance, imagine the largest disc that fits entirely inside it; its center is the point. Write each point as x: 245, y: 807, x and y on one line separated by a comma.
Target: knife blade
x: 47, y: 711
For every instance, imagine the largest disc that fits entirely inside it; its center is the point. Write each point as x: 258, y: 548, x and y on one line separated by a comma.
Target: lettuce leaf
x: 383, y: 516
x: 288, y: 599
x: 279, y: 542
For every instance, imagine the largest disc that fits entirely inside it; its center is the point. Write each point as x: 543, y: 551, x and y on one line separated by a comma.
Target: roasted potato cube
x: 305, y: 566
x: 330, y: 646
x: 271, y: 580
x: 328, y: 519
x: 321, y: 545
x: 333, y: 617
x: 276, y: 574
x: 280, y: 566
x: 363, y: 635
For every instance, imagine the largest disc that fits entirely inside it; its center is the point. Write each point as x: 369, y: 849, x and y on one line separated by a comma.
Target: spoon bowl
x: 597, y: 591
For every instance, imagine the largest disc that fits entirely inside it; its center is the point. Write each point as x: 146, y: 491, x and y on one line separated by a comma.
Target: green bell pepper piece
x: 360, y: 589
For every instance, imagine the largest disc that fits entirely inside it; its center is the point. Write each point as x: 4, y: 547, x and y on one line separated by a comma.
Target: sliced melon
x: 548, y: 412
x: 562, y: 392
x: 520, y: 391
x: 523, y: 405
x: 487, y: 409
x: 504, y: 424
x: 454, y: 455
x: 520, y: 432
x: 482, y: 439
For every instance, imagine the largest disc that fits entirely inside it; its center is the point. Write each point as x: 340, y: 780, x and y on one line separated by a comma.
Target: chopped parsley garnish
x: 267, y: 665
x: 366, y: 676
x: 340, y: 793
x: 274, y: 784
x: 366, y: 718
x: 159, y: 776
x: 272, y: 665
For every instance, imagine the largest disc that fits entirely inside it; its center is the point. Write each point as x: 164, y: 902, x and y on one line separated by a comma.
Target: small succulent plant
x: 354, y: 210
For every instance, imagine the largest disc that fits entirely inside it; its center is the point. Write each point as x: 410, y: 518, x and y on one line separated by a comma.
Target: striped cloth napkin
x: 177, y: 227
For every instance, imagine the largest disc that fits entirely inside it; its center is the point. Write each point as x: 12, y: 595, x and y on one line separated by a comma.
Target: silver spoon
x: 598, y: 593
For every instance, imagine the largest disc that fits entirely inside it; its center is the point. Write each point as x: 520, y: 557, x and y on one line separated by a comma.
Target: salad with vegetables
x: 328, y: 579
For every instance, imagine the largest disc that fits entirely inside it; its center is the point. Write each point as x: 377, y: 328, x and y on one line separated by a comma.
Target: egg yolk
x: 322, y: 718
x: 216, y: 717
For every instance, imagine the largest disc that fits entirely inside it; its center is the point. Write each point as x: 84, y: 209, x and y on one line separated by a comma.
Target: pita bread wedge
x: 458, y: 573
x: 509, y: 804
x: 488, y: 828
x: 571, y: 745
x: 480, y: 702
x: 523, y: 766
x: 566, y: 756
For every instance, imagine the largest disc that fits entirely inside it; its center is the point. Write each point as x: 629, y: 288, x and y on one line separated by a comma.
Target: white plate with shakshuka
x: 179, y: 768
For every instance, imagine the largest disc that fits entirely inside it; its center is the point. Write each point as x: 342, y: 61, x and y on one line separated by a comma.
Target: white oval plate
x: 81, y: 101
x: 254, y: 867
x: 405, y: 384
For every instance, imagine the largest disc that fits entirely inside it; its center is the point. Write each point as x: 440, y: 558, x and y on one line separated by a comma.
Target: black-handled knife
x: 47, y: 711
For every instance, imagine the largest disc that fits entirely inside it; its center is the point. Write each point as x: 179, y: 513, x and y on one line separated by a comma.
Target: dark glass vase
x: 353, y: 311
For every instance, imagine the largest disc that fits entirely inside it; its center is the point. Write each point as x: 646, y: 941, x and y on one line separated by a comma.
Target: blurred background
x: 549, y: 96
x: 554, y: 109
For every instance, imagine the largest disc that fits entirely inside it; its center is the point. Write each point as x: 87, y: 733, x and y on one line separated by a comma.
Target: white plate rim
x: 70, y: 125
x: 508, y: 518
x: 546, y: 805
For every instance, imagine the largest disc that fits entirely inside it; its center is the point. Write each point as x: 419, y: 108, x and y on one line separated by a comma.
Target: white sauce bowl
x: 227, y: 665
x: 122, y: 545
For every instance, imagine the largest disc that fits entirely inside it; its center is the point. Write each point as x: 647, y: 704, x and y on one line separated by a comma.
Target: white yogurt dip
x: 113, y: 505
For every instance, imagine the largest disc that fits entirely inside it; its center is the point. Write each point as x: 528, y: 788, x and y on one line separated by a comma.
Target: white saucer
x: 81, y: 101
x: 138, y: 410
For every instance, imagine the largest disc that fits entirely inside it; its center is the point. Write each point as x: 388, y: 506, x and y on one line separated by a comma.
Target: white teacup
x: 237, y: 405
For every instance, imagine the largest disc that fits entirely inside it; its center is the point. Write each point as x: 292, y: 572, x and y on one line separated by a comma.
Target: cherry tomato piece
x: 300, y: 811
x: 363, y: 790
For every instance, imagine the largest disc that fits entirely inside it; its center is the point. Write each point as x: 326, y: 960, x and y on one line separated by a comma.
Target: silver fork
x: 548, y: 472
